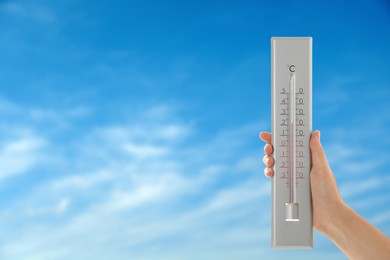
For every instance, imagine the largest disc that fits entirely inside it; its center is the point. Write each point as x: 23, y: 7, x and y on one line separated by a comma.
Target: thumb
x: 317, y: 152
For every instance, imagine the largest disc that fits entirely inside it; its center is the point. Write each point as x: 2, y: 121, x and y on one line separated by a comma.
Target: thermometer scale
x: 291, y: 129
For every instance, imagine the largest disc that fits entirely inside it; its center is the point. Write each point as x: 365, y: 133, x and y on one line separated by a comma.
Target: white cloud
x: 18, y: 156
x: 251, y: 164
x: 230, y: 198
x: 56, y: 115
x: 120, y: 224
x: 78, y: 181
x: 145, y: 151
x: 58, y: 209
x: 140, y: 189
x: 381, y: 218
x: 131, y: 201
x: 7, y: 106
x: 369, y: 202
x: 354, y: 188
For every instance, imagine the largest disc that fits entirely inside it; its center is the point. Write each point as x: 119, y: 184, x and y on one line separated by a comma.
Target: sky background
x: 129, y: 129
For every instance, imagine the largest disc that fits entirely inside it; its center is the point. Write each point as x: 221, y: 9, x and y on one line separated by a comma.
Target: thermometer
x: 292, y: 205
x: 291, y: 129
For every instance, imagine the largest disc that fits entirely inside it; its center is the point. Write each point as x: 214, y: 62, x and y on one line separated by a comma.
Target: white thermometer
x: 291, y: 129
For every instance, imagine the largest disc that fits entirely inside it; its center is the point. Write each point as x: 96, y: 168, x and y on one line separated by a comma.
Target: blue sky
x: 129, y: 128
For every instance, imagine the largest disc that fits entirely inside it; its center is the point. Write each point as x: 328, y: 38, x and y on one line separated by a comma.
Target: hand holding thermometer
x: 291, y: 129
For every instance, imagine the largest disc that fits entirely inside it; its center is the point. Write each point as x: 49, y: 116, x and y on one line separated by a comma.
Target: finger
x: 266, y: 137
x: 268, y: 161
x: 269, y: 172
x: 268, y: 149
x: 317, y: 152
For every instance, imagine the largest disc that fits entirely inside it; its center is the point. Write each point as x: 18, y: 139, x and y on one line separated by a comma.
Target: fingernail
x: 266, y: 160
x: 318, y: 134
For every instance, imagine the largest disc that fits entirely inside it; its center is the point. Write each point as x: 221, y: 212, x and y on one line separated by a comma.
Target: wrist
x: 337, y: 219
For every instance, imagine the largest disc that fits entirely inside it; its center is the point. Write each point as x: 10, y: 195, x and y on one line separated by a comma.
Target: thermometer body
x: 291, y: 129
